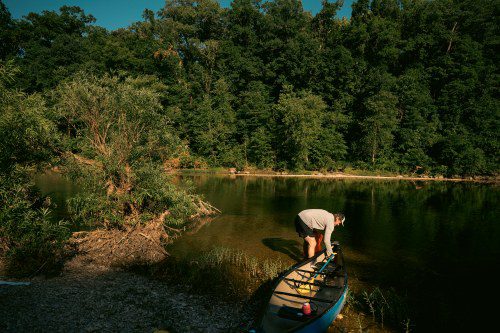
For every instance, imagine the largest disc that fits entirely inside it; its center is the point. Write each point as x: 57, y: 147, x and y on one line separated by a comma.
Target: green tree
x: 418, y: 130
x: 27, y: 136
x: 299, y: 117
x: 260, y: 149
x: 7, y: 46
x: 212, y: 127
x: 241, y: 61
x: 379, y: 125
x: 187, y: 25
x: 329, y: 149
x: 120, y: 139
x: 458, y: 155
x: 119, y: 50
x: 256, y: 125
x: 53, y: 45
x: 288, y: 48
x: 339, y: 72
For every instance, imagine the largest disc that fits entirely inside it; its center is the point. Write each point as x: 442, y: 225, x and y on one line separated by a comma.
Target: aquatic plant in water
x: 385, y: 307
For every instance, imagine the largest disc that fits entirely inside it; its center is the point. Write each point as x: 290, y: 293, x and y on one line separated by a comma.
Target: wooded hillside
x: 403, y: 86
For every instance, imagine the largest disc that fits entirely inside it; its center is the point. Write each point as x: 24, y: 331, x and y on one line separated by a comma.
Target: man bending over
x: 312, y: 224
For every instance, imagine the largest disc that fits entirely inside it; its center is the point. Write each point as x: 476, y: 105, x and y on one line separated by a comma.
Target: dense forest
x: 404, y: 86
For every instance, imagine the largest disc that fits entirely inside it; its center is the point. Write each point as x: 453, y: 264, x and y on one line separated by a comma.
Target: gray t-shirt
x: 322, y: 220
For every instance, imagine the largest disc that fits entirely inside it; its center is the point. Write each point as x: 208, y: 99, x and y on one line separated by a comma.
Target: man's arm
x: 328, y: 233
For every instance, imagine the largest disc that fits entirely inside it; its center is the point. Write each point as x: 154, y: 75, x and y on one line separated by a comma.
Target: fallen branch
x: 173, y: 229
x: 208, y: 207
x: 126, y: 235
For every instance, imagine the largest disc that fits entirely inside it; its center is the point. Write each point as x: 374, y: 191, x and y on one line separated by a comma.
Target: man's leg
x: 311, y: 245
x: 318, y: 236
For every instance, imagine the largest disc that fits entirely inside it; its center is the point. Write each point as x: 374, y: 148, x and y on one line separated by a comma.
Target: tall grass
x: 219, y: 257
x: 386, y: 307
x: 227, y: 272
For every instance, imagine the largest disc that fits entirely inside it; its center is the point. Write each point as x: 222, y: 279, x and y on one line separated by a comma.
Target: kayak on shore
x: 308, y: 297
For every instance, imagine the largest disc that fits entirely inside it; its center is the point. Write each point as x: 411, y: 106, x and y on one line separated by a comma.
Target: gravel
x: 99, y: 299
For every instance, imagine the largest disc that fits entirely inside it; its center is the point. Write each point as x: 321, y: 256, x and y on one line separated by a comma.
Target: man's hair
x: 340, y: 216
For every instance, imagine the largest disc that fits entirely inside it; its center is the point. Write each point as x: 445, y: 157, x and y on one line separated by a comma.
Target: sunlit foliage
x: 119, y: 139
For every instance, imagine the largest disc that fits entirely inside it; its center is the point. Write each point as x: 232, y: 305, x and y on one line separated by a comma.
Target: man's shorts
x: 302, y: 229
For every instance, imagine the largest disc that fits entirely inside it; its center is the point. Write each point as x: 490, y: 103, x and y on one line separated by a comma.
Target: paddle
x: 305, y: 288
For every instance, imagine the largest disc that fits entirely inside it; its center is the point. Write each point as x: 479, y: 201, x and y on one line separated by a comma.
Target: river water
x: 435, y: 244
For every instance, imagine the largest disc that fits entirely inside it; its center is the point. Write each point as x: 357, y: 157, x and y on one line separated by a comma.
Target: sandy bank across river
x: 338, y: 175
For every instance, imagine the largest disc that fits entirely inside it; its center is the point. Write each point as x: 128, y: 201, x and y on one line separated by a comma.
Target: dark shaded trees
x: 418, y: 129
x: 299, y: 119
x: 212, y: 125
x: 52, y: 46
x: 7, y: 45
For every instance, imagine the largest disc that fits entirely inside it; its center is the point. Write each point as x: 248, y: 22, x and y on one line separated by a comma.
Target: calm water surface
x: 437, y: 244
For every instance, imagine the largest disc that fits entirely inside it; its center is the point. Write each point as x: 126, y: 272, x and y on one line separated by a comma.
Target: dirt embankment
x: 136, y: 245
x: 97, y: 292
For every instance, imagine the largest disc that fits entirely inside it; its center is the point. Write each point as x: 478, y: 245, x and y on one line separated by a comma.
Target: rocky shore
x: 97, y: 290
x: 99, y: 299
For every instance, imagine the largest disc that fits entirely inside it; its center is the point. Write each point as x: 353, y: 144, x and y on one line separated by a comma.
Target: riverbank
x: 105, y: 285
x: 87, y: 297
x: 336, y: 175
x: 122, y: 281
x: 91, y: 298
x: 393, y: 234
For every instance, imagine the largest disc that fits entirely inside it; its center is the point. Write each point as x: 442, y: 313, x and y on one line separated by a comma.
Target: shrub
x: 30, y: 240
x: 122, y: 140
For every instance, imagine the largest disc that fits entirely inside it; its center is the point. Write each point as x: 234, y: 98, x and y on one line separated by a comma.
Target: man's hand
x: 329, y: 253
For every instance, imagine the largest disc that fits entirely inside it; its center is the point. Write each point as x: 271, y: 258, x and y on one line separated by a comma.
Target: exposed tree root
x: 136, y: 244
x: 122, y: 248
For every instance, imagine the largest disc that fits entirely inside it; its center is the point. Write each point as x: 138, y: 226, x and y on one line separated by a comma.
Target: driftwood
x: 125, y: 248
x: 210, y: 207
x: 9, y: 283
x: 173, y: 229
x: 205, y: 209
